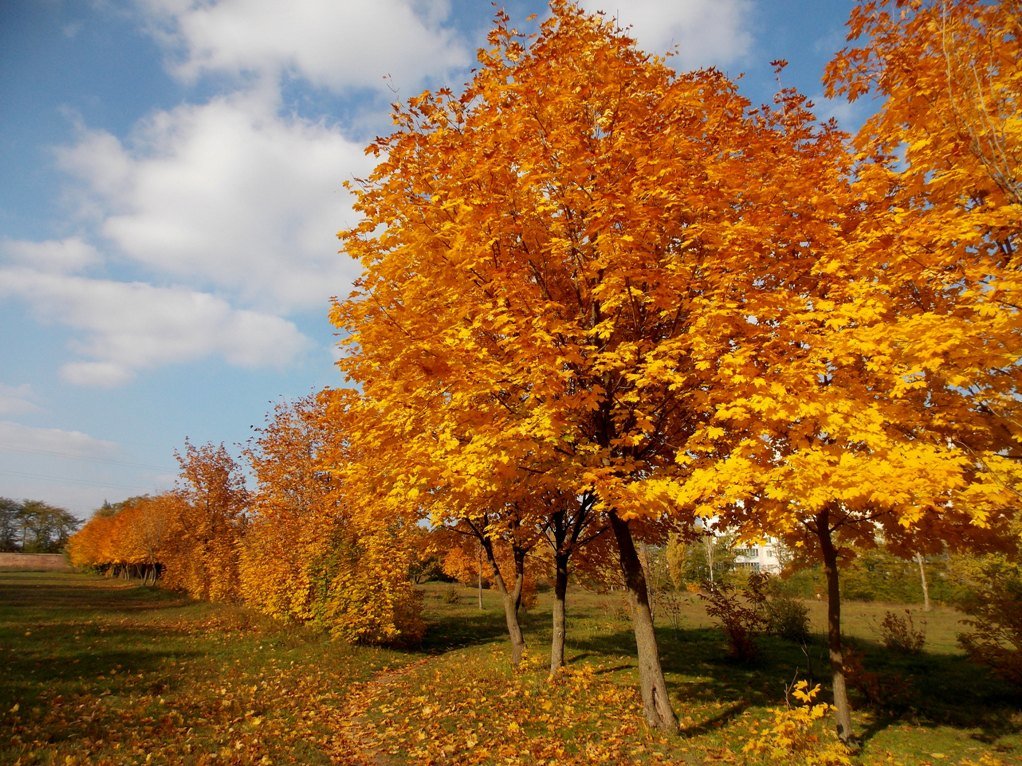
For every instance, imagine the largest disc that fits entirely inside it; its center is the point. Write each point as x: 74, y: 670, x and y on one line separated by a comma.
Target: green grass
x: 100, y: 671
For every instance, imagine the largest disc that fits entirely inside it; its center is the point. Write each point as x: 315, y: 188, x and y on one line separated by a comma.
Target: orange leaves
x: 134, y: 534
x: 521, y: 295
x: 201, y: 553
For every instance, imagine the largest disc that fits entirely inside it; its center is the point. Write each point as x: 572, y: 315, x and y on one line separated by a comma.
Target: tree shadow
x: 718, y: 721
x: 445, y: 633
x: 932, y: 690
x: 117, y: 595
x: 936, y: 689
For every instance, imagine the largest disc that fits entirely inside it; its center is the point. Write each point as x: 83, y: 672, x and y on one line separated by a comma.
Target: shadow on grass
x: 454, y: 623
x: 716, y: 722
x: 932, y: 690
x: 927, y: 689
x: 107, y: 596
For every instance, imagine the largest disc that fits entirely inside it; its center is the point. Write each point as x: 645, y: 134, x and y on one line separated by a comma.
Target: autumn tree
x: 146, y: 526
x: 363, y: 570
x: 943, y: 153
x: 291, y: 512
x: 538, y: 254
x: 890, y: 324
x: 89, y: 547
x: 201, y: 554
x: 304, y: 556
x: 938, y: 168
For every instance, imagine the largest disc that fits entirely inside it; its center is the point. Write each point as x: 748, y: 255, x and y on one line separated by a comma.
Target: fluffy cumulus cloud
x: 228, y: 194
x: 705, y: 32
x: 124, y: 327
x: 330, y: 44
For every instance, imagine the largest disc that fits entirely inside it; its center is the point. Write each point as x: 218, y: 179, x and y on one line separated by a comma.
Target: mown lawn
x: 100, y: 671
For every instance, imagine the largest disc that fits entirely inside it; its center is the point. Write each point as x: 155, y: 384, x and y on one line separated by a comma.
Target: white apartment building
x: 760, y: 557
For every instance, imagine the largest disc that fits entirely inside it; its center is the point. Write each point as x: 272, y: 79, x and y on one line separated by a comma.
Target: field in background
x: 36, y: 562
x: 101, y: 671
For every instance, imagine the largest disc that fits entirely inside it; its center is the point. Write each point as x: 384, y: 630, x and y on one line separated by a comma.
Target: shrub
x: 788, y: 618
x: 668, y: 604
x: 799, y: 733
x: 890, y: 692
x: 899, y: 634
x: 741, y: 612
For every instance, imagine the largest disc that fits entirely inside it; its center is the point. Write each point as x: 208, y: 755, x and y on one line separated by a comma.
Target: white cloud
x: 22, y: 439
x: 96, y: 374
x: 706, y: 32
x: 124, y: 327
x: 16, y: 400
x: 336, y: 44
x: 63, y: 255
x: 849, y: 115
x: 228, y: 194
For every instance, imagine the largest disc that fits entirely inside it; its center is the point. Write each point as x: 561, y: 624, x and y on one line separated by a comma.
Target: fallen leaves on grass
x: 466, y: 708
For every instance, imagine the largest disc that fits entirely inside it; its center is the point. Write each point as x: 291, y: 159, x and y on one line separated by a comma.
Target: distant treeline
x: 32, y: 526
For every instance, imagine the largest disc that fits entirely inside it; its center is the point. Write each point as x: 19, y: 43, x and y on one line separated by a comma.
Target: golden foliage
x: 797, y: 732
x: 314, y: 550
x: 201, y: 552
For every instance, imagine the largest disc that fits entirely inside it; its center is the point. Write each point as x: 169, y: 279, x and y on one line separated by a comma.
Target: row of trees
x: 32, y: 526
x: 290, y: 547
x: 603, y: 302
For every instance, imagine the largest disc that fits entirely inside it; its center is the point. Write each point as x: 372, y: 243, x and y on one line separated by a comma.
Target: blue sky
x: 170, y: 192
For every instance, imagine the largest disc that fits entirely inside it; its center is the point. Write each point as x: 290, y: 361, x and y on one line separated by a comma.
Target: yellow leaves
x: 803, y: 693
x: 800, y: 733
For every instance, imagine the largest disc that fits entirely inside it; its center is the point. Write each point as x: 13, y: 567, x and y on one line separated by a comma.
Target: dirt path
x: 357, y: 742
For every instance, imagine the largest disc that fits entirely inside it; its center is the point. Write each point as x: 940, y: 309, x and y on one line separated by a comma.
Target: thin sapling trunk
x: 843, y: 710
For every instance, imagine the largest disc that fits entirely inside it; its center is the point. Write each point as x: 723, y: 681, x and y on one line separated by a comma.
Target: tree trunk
x: 843, y: 710
x: 480, y: 583
x: 511, y: 600
x: 922, y: 578
x: 655, y: 700
x: 560, y: 592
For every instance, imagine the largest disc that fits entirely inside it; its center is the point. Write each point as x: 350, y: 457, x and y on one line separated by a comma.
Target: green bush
x: 788, y: 618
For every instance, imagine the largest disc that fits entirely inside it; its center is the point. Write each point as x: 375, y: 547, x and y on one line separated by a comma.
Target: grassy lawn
x: 100, y: 671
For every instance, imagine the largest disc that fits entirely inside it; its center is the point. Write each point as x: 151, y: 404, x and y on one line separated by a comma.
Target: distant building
x: 762, y: 557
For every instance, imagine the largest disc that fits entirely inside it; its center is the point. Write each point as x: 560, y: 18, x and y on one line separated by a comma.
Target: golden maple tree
x: 201, y: 553
x: 624, y: 281
x: 942, y: 157
x: 877, y: 395
x: 306, y: 555
x: 535, y: 253
x: 128, y: 538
